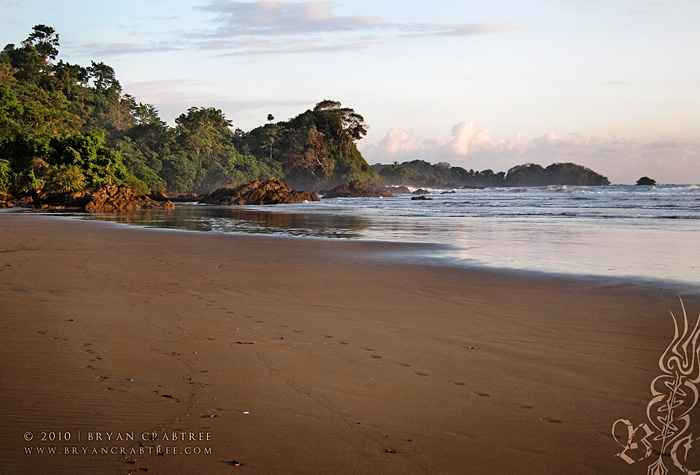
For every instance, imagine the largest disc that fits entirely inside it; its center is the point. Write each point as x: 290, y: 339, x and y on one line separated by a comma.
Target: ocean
x: 640, y: 232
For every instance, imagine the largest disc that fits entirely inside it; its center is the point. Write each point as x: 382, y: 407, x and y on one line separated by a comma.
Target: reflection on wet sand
x: 242, y: 220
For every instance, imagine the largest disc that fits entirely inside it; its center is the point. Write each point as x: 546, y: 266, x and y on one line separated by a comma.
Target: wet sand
x: 309, y: 356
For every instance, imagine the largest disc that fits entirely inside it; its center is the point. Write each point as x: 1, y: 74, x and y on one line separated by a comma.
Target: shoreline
x: 421, y: 254
x: 311, y: 357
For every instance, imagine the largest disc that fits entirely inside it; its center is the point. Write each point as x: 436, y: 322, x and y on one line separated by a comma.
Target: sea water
x: 648, y: 232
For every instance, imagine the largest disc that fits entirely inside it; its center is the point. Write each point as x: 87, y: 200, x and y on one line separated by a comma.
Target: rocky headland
x: 271, y: 191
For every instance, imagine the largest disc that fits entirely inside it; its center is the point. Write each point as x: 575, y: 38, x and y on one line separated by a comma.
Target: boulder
x: 399, y: 190
x: 6, y: 201
x: 421, y: 191
x: 159, y: 195
x: 422, y: 198
x: 267, y: 192
x: 359, y: 188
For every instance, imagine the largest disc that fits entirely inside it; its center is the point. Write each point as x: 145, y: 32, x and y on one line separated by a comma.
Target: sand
x: 290, y: 355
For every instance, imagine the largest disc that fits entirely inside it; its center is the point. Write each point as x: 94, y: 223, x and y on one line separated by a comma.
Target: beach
x: 295, y: 355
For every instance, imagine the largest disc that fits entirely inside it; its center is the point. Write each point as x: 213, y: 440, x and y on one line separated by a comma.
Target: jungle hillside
x: 65, y: 127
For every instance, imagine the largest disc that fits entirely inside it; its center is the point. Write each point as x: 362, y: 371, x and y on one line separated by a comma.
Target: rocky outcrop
x: 6, y: 201
x: 184, y: 198
x: 421, y: 191
x: 159, y: 195
x: 399, y: 190
x: 267, y: 192
x: 359, y: 188
x: 421, y: 198
x: 646, y: 181
x: 104, y: 199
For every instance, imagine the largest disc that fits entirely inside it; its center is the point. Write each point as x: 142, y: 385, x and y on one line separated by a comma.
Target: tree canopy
x: 65, y: 120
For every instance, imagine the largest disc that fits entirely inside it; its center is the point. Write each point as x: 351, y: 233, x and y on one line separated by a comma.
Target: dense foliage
x: 64, y: 127
x: 443, y: 175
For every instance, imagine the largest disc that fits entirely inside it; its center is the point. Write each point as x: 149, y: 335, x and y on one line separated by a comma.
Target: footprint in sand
x: 284, y: 326
x: 343, y: 343
x: 405, y: 365
x: 168, y: 396
x: 457, y: 383
x: 522, y: 406
x: 480, y: 394
x: 368, y: 349
x: 297, y: 331
x: 419, y: 373
x: 552, y: 421
x: 375, y: 356
x: 327, y: 336
x: 259, y: 321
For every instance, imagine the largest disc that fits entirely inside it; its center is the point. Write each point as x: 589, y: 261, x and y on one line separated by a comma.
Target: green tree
x: 6, y: 176
x: 44, y: 40
x: 204, y: 138
x: 100, y: 165
x: 103, y: 78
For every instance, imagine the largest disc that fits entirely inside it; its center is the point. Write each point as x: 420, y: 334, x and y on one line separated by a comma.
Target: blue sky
x: 610, y: 84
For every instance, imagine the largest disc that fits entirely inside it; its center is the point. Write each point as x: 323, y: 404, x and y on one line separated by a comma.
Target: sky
x: 610, y: 84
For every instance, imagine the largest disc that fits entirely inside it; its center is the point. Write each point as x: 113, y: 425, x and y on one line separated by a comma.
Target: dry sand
x: 313, y: 356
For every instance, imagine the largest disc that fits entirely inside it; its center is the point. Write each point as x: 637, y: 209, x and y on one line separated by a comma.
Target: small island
x: 646, y: 181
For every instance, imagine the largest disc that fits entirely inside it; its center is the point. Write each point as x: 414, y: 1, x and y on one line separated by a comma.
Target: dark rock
x: 104, y: 199
x: 448, y: 192
x: 159, y: 196
x: 421, y: 191
x: 11, y: 201
x: 646, y: 181
x: 399, y: 190
x: 267, y: 192
x: 421, y: 198
x: 360, y: 188
x: 6, y: 201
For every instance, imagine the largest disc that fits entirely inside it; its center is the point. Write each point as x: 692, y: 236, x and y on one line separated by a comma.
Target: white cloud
x: 465, y: 135
x: 276, y: 17
x: 670, y: 160
x: 113, y: 49
x: 279, y: 20
x: 266, y: 27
